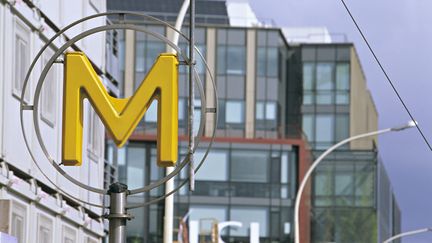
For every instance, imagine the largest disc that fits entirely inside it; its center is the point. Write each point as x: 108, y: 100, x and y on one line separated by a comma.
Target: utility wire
x: 386, y: 75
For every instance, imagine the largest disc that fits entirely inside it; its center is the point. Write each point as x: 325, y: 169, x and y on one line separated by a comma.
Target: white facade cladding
x: 31, y: 208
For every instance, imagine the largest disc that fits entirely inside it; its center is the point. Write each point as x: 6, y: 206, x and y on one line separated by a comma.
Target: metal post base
x: 117, y: 217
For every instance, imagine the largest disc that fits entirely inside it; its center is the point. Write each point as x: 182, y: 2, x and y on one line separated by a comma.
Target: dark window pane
x: 324, y: 76
x: 249, y: 166
x: 308, y: 76
x: 342, y: 76
x: 324, y: 128
x: 272, y: 62
x: 261, y: 61
x: 236, y: 60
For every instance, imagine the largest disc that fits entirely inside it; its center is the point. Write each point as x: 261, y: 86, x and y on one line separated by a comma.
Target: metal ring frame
x: 51, y: 62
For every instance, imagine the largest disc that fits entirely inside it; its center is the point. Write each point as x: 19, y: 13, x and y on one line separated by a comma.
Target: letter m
x: 120, y: 116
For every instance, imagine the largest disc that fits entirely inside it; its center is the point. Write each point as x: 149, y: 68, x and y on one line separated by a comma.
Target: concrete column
x: 210, y: 98
x: 250, y: 83
x: 129, y: 63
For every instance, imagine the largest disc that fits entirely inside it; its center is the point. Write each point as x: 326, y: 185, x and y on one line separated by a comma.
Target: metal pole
x: 118, y: 215
x: 168, y: 228
x: 191, y: 94
x: 409, y: 233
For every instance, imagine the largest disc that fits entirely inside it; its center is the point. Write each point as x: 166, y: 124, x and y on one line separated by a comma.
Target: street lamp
x: 413, y: 232
x: 321, y: 157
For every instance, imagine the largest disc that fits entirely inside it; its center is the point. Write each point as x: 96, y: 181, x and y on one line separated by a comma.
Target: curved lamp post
x: 321, y: 157
x: 413, y: 232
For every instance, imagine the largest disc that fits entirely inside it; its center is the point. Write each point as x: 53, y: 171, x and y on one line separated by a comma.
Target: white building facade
x: 32, y: 209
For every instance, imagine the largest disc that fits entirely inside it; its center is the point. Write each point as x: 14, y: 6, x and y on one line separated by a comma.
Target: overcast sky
x: 400, y: 33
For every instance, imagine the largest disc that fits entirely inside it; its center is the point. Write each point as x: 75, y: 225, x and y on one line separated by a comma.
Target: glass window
x: 49, y: 91
x: 324, y: 97
x: 343, y: 184
x: 308, y: 127
x: 323, y: 184
x: 308, y: 76
x: 204, y: 213
x: 284, y: 168
x: 215, y: 166
x: 236, y: 60
x: 272, y: 62
x: 342, y: 97
x: 45, y: 229
x: 22, y: 62
x: 200, y: 66
x: 324, y: 128
x: 324, y: 75
x: 249, y: 166
x: 247, y: 216
x: 69, y: 235
x: 135, y: 168
x: 140, y: 56
x: 221, y: 59
x: 151, y: 114
x: 271, y: 111
x: 19, y: 221
x: 259, y: 112
x: 261, y: 61
x: 236, y: 37
x: 234, y: 111
x: 342, y: 127
x: 181, y: 109
x: 342, y: 76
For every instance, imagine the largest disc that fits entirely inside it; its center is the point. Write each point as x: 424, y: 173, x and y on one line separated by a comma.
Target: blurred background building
x: 273, y: 84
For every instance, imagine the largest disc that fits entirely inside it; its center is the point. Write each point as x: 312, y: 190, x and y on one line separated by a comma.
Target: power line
x: 386, y: 75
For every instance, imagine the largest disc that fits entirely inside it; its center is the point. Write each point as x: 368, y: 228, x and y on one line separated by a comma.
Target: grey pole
x: 118, y: 215
x: 191, y: 94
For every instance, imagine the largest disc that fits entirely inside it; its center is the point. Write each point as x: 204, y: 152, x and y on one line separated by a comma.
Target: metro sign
x: 120, y: 115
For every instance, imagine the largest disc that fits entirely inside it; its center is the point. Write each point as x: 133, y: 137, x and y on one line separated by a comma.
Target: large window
x: 95, y: 135
x: 326, y: 76
x: 22, y: 58
x: 44, y: 229
x: 247, y: 216
x: 207, y: 215
x: 231, y: 52
x: 215, y: 167
x: 49, y: 91
x: 147, y: 49
x: 234, y: 112
x: 135, y: 168
x: 19, y: 222
x: 249, y: 166
x: 69, y: 235
x: 324, y: 129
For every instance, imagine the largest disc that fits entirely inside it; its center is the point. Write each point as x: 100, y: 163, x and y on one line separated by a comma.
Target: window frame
x: 68, y: 230
x: 41, y: 217
x: 49, y: 85
x: 23, y: 32
x: 21, y: 210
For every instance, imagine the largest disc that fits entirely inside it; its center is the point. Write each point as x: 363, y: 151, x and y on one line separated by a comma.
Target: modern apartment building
x: 31, y: 208
x: 351, y: 191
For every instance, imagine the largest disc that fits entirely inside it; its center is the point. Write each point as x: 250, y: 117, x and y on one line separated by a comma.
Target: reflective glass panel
x: 324, y: 76
x: 248, y: 165
x: 247, y: 216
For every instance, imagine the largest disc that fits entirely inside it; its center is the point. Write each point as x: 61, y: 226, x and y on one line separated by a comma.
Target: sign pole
x: 117, y: 216
x: 191, y: 94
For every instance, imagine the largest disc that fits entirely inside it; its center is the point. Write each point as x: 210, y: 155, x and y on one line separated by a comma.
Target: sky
x: 400, y: 33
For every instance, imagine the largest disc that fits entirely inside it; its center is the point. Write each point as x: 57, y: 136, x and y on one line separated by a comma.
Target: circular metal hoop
x: 48, y: 66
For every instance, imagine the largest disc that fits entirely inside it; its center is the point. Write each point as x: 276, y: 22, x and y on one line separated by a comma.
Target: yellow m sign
x: 120, y: 116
